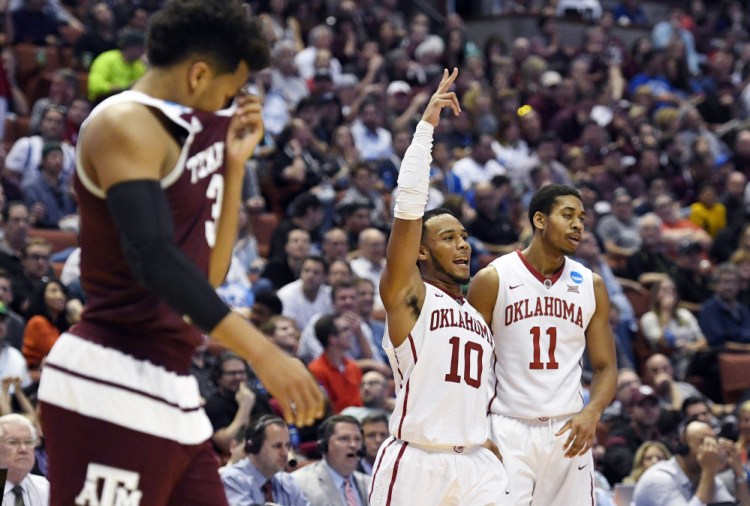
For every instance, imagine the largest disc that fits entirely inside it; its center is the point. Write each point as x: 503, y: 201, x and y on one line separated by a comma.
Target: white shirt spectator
x: 375, y: 145
x: 470, y: 172
x: 310, y: 348
x: 299, y: 308
x: 35, y: 491
x: 13, y: 365
x: 25, y: 158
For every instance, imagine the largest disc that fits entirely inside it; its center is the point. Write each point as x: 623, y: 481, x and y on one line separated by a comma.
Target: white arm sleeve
x: 414, y: 175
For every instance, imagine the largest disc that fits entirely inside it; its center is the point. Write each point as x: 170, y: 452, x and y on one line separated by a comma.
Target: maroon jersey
x: 120, y: 313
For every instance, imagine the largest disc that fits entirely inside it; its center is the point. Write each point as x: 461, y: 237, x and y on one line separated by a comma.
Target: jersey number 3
x: 536, y: 334
x: 470, y: 350
x: 215, y: 192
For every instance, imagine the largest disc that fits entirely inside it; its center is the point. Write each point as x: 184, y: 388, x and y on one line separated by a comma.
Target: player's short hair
x: 545, y: 198
x: 438, y: 211
x: 218, y: 30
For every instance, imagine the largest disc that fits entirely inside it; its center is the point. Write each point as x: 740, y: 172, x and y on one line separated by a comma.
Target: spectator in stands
x: 369, y: 260
x: 79, y: 110
x: 12, y: 97
x: 672, y: 329
x: 493, y: 225
x: 340, y: 270
x: 201, y: 368
x: 235, y: 403
x: 115, y: 70
x: 298, y: 164
x: 479, y: 165
x: 307, y: 296
x: 619, y: 231
x: 375, y: 401
x: 63, y: 89
x: 354, y: 218
x: 671, y: 28
x: 362, y: 188
x: 371, y: 315
x: 630, y: 13
x: 363, y: 350
x: 442, y: 177
x: 336, y: 373
x: 624, y: 440
x: 691, y: 476
x: 691, y: 278
x: 14, y: 323
x: 236, y: 290
x: 650, y: 262
x: 335, y: 245
x: 25, y: 156
x: 743, y: 441
x: 329, y: 481
x: 733, y: 197
x: 285, y: 268
x: 741, y: 260
x: 35, y: 267
x: 320, y: 38
x: 628, y: 382
x: 260, y: 477
x: 265, y: 306
x: 46, y: 320
x: 33, y: 25
x: 648, y: 454
x: 374, y: 433
x: 707, y: 212
x: 306, y: 212
x: 724, y: 320
x: 285, y: 77
x: 100, y: 35
x: 15, y: 232
x: 48, y: 197
x: 590, y: 255
x: 19, y: 438
x: 283, y: 331
x: 372, y: 140
x: 12, y: 362
x: 658, y: 373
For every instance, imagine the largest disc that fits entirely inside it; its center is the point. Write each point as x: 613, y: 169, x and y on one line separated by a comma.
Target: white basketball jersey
x: 443, y: 374
x: 539, y: 327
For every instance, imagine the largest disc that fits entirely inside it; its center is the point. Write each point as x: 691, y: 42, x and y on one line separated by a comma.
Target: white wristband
x: 414, y: 175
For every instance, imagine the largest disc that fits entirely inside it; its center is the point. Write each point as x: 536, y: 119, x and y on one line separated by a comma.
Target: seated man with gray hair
x: 18, y: 438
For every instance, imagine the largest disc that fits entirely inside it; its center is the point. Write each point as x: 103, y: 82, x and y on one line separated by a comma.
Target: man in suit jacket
x: 333, y: 481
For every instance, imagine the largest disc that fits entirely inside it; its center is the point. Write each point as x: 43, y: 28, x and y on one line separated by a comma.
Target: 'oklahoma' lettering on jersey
x: 545, y: 306
x: 446, y: 317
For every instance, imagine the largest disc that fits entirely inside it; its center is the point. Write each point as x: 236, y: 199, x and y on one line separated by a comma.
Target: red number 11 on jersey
x: 537, y: 363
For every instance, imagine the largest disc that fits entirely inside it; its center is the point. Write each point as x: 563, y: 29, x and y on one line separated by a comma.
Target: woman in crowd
x: 47, y: 319
x: 648, y: 454
x: 671, y: 329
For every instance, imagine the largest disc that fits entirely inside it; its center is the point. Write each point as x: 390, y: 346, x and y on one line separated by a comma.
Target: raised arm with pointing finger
x: 438, y: 346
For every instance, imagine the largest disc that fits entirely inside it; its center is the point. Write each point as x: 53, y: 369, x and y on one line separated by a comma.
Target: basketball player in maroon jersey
x: 159, y: 172
x: 545, y: 311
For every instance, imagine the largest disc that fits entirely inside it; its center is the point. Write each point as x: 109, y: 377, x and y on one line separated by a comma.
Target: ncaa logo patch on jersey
x: 576, y: 277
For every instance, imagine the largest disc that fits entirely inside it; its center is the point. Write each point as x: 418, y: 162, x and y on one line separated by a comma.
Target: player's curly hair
x: 220, y: 31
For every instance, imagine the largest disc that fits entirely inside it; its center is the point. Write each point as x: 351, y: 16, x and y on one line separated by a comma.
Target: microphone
x: 291, y: 459
x: 360, y: 453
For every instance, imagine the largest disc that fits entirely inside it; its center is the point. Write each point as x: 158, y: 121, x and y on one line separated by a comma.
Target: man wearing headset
x: 334, y: 481
x: 260, y: 478
x: 690, y: 477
